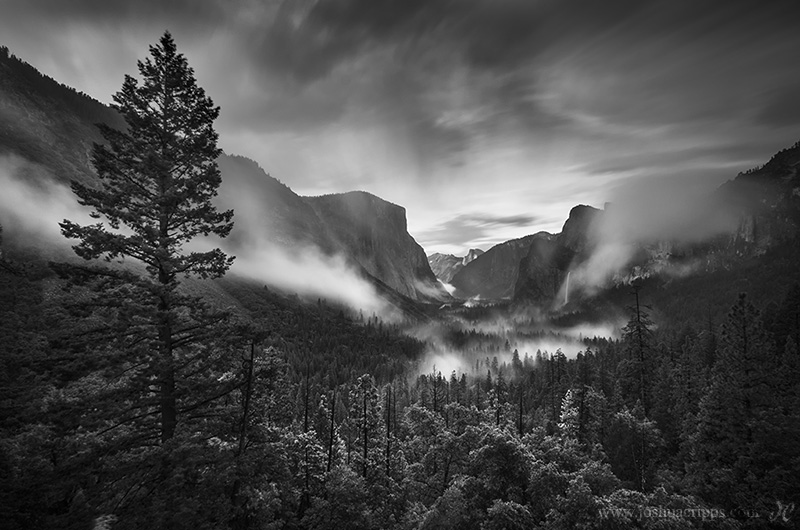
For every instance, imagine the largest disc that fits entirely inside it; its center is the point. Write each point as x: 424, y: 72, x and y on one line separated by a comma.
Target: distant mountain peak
x: 493, y: 273
x: 577, y: 230
x: 446, y: 266
x: 53, y: 127
x: 472, y: 255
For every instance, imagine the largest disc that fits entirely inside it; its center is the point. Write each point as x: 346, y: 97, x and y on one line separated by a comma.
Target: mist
x: 306, y: 271
x: 293, y: 267
x: 447, y: 359
x: 32, y: 203
x: 653, y: 215
x: 499, y: 335
x: 679, y: 208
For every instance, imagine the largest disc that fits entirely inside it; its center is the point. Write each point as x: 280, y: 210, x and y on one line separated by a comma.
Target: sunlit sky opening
x: 487, y: 120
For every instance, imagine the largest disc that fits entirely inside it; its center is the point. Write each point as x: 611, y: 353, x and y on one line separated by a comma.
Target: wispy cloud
x: 476, y: 230
x: 427, y: 103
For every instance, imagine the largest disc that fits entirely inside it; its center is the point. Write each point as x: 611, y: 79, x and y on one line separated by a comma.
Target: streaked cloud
x: 524, y: 107
x: 477, y: 230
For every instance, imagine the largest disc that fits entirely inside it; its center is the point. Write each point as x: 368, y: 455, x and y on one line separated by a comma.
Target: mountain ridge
x: 493, y: 274
x: 52, y: 126
x: 445, y: 266
x: 763, y: 203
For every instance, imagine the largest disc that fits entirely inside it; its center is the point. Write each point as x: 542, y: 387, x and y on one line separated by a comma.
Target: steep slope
x: 445, y: 266
x: 520, y: 269
x: 767, y: 201
x: 270, y: 209
x: 756, y: 213
x: 472, y: 255
x: 544, y: 269
x: 48, y: 129
x: 494, y: 273
x: 48, y: 123
x: 579, y: 228
x: 374, y: 233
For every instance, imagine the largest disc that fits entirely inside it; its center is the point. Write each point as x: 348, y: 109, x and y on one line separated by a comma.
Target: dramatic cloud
x: 31, y: 213
x: 477, y: 230
x: 503, y: 106
x: 307, y: 272
x: 680, y: 210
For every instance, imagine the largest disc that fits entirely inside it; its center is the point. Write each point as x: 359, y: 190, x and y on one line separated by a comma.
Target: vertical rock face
x: 757, y: 211
x: 446, y: 266
x: 373, y: 232
x: 273, y: 210
x: 543, y: 270
x: 767, y: 202
x: 577, y: 233
x: 494, y: 273
x: 52, y: 127
x: 367, y: 231
x: 472, y: 255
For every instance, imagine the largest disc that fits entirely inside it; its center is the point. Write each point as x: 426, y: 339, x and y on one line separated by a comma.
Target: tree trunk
x: 364, y: 419
x: 169, y: 412
x: 388, y: 430
x: 642, y: 392
x: 333, y: 432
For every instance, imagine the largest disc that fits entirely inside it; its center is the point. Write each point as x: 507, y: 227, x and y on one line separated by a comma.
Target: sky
x: 487, y: 120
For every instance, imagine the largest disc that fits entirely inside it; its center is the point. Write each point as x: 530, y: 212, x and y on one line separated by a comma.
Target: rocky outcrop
x: 747, y: 216
x: 766, y: 201
x: 543, y: 270
x: 532, y: 267
x: 579, y: 229
x: 494, y: 274
x: 446, y: 266
x: 368, y: 232
x: 373, y: 232
x: 472, y: 255
x: 53, y: 127
x: 270, y: 209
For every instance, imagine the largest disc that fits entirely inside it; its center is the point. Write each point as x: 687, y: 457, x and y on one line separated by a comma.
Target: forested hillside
x: 132, y: 398
x: 303, y: 418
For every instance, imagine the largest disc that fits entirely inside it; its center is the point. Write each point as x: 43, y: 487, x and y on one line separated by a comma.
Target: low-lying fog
x: 472, y: 346
x: 33, y: 203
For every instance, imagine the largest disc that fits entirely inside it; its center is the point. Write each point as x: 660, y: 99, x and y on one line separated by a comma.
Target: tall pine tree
x: 156, y: 182
x: 744, y: 447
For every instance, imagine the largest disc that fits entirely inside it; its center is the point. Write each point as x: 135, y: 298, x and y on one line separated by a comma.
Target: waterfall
x: 566, y: 290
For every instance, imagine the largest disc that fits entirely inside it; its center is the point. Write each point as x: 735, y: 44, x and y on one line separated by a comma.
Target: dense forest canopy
x: 126, y: 401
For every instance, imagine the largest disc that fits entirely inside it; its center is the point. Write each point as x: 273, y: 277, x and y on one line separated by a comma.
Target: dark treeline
x: 283, y: 423
x: 37, y: 107
x: 129, y: 401
x: 77, y: 102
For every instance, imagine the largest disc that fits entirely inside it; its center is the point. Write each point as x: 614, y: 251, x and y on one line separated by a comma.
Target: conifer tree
x: 366, y: 423
x: 637, y: 335
x: 741, y: 427
x: 156, y: 182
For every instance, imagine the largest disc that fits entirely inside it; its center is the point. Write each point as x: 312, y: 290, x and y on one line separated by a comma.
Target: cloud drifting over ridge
x: 32, y: 209
x: 476, y: 230
x: 308, y: 272
x: 32, y: 204
x: 676, y: 211
x: 436, y: 104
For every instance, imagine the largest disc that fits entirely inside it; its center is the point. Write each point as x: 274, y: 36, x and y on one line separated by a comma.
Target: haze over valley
x: 406, y: 265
